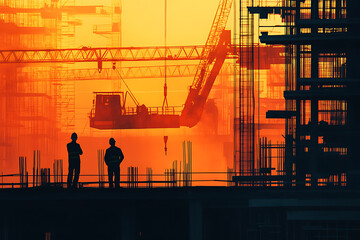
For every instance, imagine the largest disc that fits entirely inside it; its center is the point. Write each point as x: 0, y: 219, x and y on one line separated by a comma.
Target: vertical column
x: 313, y: 148
x: 4, y: 234
x: 300, y: 165
x: 353, y: 111
x: 288, y: 159
x: 195, y: 220
x: 128, y: 224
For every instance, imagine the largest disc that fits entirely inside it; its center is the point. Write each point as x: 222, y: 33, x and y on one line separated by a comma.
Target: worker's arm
x: 121, y: 155
x: 80, y: 150
x: 106, y: 157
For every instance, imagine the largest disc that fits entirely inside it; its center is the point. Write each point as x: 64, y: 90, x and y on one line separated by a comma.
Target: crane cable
x: 165, y: 102
x: 129, y: 90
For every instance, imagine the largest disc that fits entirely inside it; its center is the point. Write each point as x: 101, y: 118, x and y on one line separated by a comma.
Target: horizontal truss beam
x: 86, y: 54
x: 172, y: 71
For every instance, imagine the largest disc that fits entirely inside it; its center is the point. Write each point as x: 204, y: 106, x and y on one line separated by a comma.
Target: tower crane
x: 111, y: 113
x: 267, y: 56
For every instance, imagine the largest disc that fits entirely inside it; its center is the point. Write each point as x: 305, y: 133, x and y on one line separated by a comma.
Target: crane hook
x: 99, y: 65
x: 165, y: 141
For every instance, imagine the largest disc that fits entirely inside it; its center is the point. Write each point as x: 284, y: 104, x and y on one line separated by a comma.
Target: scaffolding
x: 245, y: 98
x: 260, y: 87
x: 26, y: 106
x: 34, y: 112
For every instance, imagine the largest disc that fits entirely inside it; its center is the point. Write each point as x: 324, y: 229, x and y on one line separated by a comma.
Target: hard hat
x: 112, y: 141
x: 74, y: 136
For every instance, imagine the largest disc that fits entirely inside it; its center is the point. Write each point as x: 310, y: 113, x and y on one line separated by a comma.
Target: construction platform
x: 180, y: 213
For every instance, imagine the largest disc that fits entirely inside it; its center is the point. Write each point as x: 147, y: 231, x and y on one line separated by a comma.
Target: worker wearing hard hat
x: 74, y: 152
x: 113, y: 157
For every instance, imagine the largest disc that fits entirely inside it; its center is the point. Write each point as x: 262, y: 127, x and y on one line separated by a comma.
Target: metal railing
x: 132, y: 179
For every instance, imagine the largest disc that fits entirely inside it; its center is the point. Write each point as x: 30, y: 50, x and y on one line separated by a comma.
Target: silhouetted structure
x: 113, y: 157
x: 321, y: 40
x: 74, y: 152
x: 322, y: 90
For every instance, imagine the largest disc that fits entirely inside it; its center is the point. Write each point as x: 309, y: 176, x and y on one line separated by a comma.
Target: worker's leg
x: 117, y: 176
x: 77, y: 174
x: 110, y: 174
x: 70, y: 174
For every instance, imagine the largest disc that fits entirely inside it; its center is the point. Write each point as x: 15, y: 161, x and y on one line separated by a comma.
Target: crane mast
x: 217, y: 28
x: 199, y: 92
x: 212, y: 58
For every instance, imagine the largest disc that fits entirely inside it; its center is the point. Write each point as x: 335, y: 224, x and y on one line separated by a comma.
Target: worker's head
x: 112, y: 141
x: 74, y: 136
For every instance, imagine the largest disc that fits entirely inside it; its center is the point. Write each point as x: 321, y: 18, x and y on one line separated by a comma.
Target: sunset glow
x: 142, y: 24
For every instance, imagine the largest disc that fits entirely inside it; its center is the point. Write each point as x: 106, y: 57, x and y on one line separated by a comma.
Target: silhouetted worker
x: 74, y: 151
x: 113, y: 157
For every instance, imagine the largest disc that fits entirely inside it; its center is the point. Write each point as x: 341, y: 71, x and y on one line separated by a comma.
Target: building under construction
x: 320, y: 47
x: 38, y: 100
x: 289, y: 133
